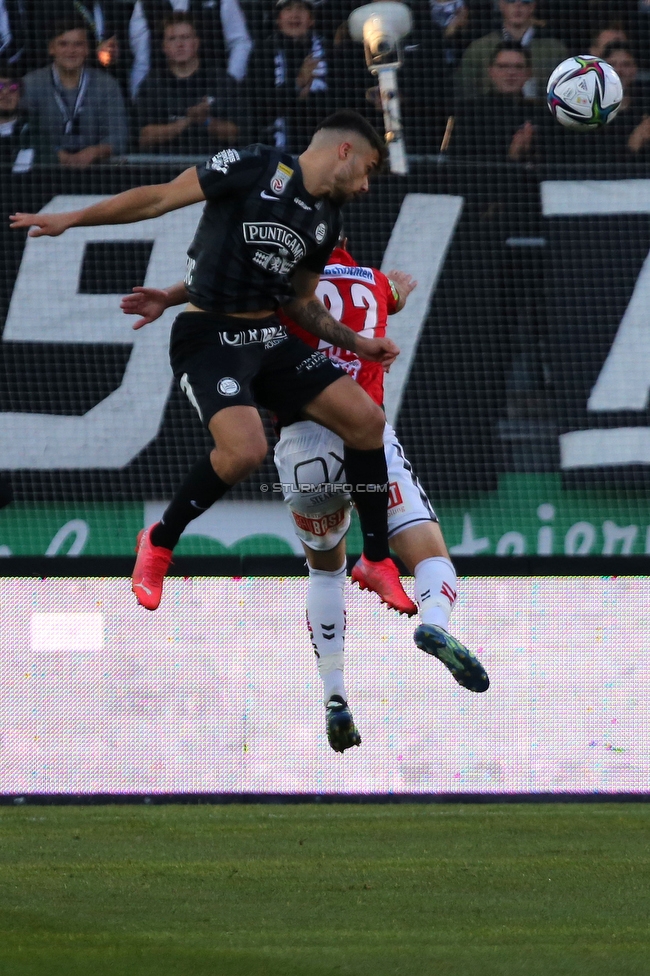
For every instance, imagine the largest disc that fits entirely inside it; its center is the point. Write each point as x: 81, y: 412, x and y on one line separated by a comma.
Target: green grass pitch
x: 318, y: 890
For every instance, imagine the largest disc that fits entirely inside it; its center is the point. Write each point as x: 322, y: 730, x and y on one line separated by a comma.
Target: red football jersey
x: 362, y: 299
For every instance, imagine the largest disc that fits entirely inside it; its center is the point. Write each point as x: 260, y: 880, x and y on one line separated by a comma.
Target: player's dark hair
x: 65, y: 26
x: 178, y: 17
x: 347, y: 120
x: 617, y: 46
x: 511, y: 46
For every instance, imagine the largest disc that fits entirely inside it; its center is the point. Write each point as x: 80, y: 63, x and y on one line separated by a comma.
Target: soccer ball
x: 584, y: 93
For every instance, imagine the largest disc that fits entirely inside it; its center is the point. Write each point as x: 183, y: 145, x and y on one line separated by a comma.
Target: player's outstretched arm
x: 150, y: 303
x: 140, y: 203
x: 310, y: 314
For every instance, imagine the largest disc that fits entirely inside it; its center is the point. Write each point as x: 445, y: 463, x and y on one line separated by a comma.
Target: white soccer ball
x: 584, y: 93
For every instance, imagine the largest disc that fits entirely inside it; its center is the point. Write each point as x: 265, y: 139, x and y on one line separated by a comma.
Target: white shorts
x: 309, y: 459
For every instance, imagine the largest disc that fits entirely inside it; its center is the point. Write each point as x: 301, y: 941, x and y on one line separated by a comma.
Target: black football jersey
x: 259, y: 224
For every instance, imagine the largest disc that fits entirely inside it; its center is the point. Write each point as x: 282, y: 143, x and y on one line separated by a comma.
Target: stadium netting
x: 521, y: 396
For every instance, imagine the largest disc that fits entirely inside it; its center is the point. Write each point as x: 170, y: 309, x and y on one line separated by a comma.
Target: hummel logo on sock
x: 448, y: 592
x: 425, y: 596
x: 325, y: 627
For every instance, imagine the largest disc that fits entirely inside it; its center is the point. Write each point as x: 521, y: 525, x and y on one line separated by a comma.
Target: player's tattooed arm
x: 311, y: 315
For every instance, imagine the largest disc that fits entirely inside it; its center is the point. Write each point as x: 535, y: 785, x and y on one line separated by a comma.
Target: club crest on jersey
x: 221, y: 162
x: 320, y: 233
x: 228, y: 386
x: 280, y: 179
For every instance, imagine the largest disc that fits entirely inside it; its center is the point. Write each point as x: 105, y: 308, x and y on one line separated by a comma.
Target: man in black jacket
x: 221, y: 25
x: 290, y: 78
x: 503, y: 123
x: 185, y: 106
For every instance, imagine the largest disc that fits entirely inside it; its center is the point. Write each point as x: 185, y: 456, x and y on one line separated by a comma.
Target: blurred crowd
x: 82, y: 81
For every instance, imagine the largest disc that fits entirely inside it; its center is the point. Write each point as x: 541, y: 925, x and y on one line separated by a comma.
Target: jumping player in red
x: 309, y: 459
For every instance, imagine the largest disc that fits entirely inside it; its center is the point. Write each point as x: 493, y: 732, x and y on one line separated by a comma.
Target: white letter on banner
x: 418, y: 244
x: 45, y: 307
x: 624, y: 381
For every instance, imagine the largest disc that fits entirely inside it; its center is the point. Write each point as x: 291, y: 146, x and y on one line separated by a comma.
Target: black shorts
x: 223, y: 362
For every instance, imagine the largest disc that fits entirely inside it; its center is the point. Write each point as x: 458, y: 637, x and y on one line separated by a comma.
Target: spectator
x: 14, y: 138
x: 77, y: 112
x: 220, y: 24
x: 183, y: 107
x: 568, y: 20
x: 517, y: 24
x: 629, y: 18
x: 290, y: 76
x: 630, y: 133
x: 458, y: 22
x: 625, y: 141
x: 451, y: 16
x: 97, y: 17
x: 503, y: 123
x: 604, y: 37
x: 639, y: 27
x: 329, y: 15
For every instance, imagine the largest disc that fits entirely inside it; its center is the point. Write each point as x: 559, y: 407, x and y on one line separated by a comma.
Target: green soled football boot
x: 464, y: 666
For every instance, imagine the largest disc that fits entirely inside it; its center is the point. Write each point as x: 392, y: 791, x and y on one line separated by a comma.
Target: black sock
x: 201, y: 489
x: 364, y: 469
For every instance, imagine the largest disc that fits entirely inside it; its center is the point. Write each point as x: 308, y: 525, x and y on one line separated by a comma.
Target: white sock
x: 435, y: 590
x: 326, y: 622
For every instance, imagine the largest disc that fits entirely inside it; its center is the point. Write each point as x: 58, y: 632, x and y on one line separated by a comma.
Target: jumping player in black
x: 268, y: 228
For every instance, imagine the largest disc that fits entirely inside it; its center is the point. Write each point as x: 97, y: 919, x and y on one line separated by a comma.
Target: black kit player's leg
x: 201, y: 488
x: 240, y: 447
x: 367, y: 473
x: 347, y: 410
x: 297, y: 382
x: 215, y: 376
x: 239, y: 434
